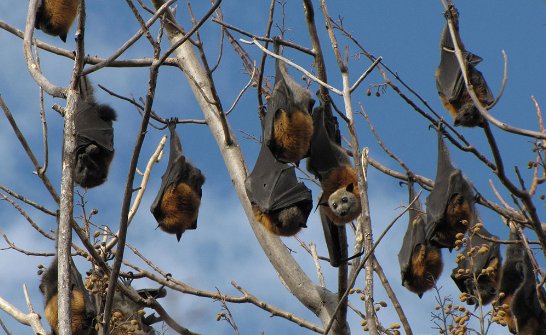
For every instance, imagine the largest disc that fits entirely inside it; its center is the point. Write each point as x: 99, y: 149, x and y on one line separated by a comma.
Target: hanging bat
x: 127, y: 317
x: 420, y: 263
x: 450, y: 80
x: 280, y: 203
x: 176, y: 205
x: 54, y: 17
x: 330, y: 164
x: 478, y: 270
x: 511, y: 277
x: 529, y: 317
x: 450, y: 204
x: 82, y: 309
x: 94, y: 138
x: 288, y: 126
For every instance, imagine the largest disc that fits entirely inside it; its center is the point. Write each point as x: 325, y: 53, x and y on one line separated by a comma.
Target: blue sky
x: 223, y: 248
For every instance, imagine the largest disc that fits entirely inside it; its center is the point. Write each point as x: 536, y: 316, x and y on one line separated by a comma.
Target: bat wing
x: 331, y: 236
x: 273, y: 185
x: 325, y: 154
x: 415, y: 234
x: 90, y: 128
x: 437, y: 199
x: 279, y: 100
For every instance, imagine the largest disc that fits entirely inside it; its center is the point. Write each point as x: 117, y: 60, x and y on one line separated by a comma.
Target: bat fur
x: 55, y: 17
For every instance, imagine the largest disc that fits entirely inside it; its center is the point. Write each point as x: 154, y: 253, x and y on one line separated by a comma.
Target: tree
x: 193, y: 60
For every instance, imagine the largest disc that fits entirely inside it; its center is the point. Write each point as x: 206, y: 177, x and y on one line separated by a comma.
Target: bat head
x: 469, y: 116
x: 344, y: 202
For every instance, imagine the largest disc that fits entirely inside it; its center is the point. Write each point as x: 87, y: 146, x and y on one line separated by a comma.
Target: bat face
x: 420, y: 263
x: 340, y: 190
x: 280, y: 203
x: 176, y: 206
x: 478, y: 271
x: 94, y: 143
x: 450, y: 82
x: 450, y: 205
x: 288, y: 126
x: 82, y: 309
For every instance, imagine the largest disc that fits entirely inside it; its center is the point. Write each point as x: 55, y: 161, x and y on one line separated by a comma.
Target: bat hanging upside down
x: 177, y: 203
x: 420, y: 263
x: 288, y: 126
x: 450, y: 81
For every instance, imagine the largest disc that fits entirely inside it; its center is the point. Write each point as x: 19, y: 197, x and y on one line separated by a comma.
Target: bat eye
x: 334, y: 205
x: 345, y: 200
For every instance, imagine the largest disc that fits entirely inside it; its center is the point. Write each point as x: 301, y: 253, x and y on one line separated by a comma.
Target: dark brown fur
x: 335, y: 179
x: 458, y: 215
x: 180, y: 207
x: 292, y: 133
x: 426, y: 267
x: 285, y: 222
x: 55, y: 17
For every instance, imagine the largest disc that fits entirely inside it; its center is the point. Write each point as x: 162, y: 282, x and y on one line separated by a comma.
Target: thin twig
x: 143, y: 184
x: 130, y: 41
x: 394, y: 299
x: 294, y: 65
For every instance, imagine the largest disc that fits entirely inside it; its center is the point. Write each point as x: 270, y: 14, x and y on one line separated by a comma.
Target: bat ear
x: 178, y: 236
x: 350, y: 188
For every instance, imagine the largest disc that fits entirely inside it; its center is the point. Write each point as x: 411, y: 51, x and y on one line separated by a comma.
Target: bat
x: 529, y: 317
x: 82, y: 309
x: 450, y: 204
x: 288, y: 125
x: 176, y: 205
x: 450, y: 80
x: 54, y: 17
x: 511, y: 278
x: 127, y: 317
x: 420, y: 263
x: 94, y: 138
x: 279, y: 202
x: 331, y: 166
x: 478, y: 269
